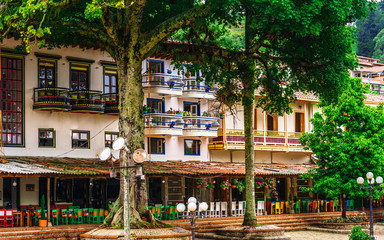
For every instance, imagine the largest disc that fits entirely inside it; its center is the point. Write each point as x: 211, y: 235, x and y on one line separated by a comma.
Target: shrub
x: 358, y: 234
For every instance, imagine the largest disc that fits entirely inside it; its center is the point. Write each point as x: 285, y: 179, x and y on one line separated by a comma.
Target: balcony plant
x: 225, y: 185
x: 169, y: 71
x: 186, y: 113
x: 151, y: 70
x: 145, y: 109
x: 207, y: 114
x: 173, y: 111
x: 187, y: 74
x: 155, y: 120
x: 222, y: 115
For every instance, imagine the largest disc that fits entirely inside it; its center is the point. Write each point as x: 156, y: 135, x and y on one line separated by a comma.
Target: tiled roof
x: 222, y: 168
x: 46, y: 165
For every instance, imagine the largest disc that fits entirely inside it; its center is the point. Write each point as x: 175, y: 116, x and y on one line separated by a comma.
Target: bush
x: 358, y: 234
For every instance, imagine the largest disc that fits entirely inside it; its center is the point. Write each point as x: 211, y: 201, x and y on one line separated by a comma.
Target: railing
x: 87, y: 100
x: 111, y: 103
x: 161, y: 80
x: 51, y: 98
x: 200, y: 123
x: 200, y: 88
x: 164, y: 121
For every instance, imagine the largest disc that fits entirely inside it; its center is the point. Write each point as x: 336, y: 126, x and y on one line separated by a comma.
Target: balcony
x: 163, y: 124
x: 111, y: 103
x: 199, y: 91
x: 52, y: 99
x: 161, y: 83
x: 263, y: 140
x: 87, y: 101
x: 197, y: 126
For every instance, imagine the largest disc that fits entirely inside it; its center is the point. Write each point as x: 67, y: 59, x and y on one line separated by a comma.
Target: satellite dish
x: 139, y: 156
x: 105, y: 154
x: 118, y: 144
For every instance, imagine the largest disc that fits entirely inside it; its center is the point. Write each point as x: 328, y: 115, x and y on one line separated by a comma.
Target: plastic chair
x: 217, y: 209
x: 335, y: 203
x: 224, y: 209
x: 347, y: 205
x: 101, y: 216
x: 64, y: 216
x: 241, y: 210
x: 260, y: 208
x: 351, y: 205
x: 95, y: 217
x: 72, y: 216
x: 80, y: 216
x: 297, y: 207
x: 287, y: 207
x: 282, y: 207
x: 90, y: 215
x: 233, y: 209
x: 314, y: 206
x: 158, y: 213
x: 172, y: 213
x: 55, y: 216
x: 85, y: 215
x: 212, y: 212
x: 8, y: 218
x: 304, y: 206
x: 2, y: 218
x: 166, y: 215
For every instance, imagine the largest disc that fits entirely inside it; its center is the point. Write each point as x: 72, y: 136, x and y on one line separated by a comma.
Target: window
x: 110, y: 81
x: 299, y: 122
x: 157, y: 145
x: 192, y: 107
x: 109, y: 138
x: 80, y: 139
x: 156, y: 65
x: 191, y: 147
x: 79, y: 78
x: 255, y: 119
x: 46, y: 138
x: 155, y: 105
x: 302, y: 183
x: 64, y: 190
x: 272, y: 123
x: 46, y: 74
x: 11, y: 90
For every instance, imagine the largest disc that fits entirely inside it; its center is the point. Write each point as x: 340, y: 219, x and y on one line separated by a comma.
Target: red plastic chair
x: 2, y: 218
x: 314, y: 206
x: 9, y: 218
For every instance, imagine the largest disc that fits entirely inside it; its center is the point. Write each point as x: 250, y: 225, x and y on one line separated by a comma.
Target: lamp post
x: 139, y: 156
x: 192, y: 212
x: 370, y: 189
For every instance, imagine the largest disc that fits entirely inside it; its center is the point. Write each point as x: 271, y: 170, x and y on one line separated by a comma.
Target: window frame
x: 198, y: 144
x: 72, y: 67
x: 150, y: 145
x: 110, y: 72
x: 88, y: 139
x: 53, y: 137
x: 105, y: 138
x: 302, y: 124
x: 157, y: 100
x: 70, y: 196
x: 156, y: 61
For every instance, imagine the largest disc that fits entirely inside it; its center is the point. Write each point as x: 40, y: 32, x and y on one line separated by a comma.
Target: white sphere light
x: 192, y: 200
x: 118, y: 144
x: 203, y: 206
x: 140, y: 155
x: 379, y: 180
x: 180, y: 207
x: 360, y: 180
x: 105, y: 154
x: 369, y: 175
x: 192, y: 206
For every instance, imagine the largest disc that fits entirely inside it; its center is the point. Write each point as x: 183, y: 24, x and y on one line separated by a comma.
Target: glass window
x: 79, y: 78
x: 64, y: 190
x: 157, y: 145
x: 192, y: 107
x: 11, y: 91
x: 46, y: 138
x: 80, y: 139
x: 110, y: 81
x: 109, y: 138
x: 46, y: 74
x: 156, y: 66
x: 155, y: 105
x: 191, y: 147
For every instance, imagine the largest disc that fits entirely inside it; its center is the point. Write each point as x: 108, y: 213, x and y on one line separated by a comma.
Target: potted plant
x: 198, y: 182
x: 222, y: 114
x: 171, y: 111
x: 225, y: 185
x: 186, y: 114
x: 43, y: 219
x: 178, y: 112
x: 155, y: 120
x: 169, y: 71
x: 207, y: 114
x: 145, y: 109
x: 259, y: 184
x: 240, y: 185
x: 210, y: 184
x: 187, y: 74
x: 151, y: 70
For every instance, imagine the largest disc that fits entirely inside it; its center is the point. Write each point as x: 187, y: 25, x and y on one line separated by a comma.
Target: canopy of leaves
x: 347, y: 142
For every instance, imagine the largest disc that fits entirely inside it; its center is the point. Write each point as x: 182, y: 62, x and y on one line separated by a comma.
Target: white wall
x: 29, y: 197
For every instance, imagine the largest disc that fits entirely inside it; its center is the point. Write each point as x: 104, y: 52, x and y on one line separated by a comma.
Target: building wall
x: 29, y: 197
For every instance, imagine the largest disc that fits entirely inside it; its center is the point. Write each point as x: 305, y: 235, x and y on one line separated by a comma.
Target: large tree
x: 347, y: 142
x: 288, y: 46
x: 128, y: 30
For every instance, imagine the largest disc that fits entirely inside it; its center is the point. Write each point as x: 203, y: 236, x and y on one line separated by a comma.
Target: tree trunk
x: 250, y: 209
x: 343, y: 206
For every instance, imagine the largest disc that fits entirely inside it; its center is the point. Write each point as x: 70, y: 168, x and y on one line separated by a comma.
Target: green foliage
x: 358, y: 234
x: 358, y: 218
x: 347, y: 142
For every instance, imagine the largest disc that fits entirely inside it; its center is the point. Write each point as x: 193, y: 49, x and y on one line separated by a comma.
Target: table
x: 19, y: 218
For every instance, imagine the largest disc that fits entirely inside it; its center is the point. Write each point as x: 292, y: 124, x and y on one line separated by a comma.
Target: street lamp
x: 139, y: 156
x: 370, y: 188
x: 192, y: 206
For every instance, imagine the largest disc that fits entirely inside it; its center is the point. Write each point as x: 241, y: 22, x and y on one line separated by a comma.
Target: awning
x: 221, y: 168
x: 54, y: 166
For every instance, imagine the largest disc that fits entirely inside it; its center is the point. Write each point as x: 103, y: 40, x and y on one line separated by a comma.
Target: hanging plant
x: 259, y: 184
x: 210, y: 184
x: 240, y: 185
x: 187, y: 74
x: 225, y: 185
x: 198, y: 182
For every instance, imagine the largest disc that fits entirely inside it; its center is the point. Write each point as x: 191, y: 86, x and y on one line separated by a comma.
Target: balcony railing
x: 163, y: 124
x: 111, y: 103
x: 199, y: 91
x: 51, y: 99
x: 87, y: 101
x: 200, y: 126
x: 163, y: 83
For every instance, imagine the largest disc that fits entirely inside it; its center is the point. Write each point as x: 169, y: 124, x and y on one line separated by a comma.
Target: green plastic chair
x: 166, y: 215
x: 335, y: 205
x: 158, y: 212
x: 351, y: 205
x: 55, y: 216
x: 101, y: 215
x: 95, y: 217
x: 37, y: 216
x: 90, y: 215
x: 305, y: 206
x: 297, y: 207
x: 64, y: 216
x: 72, y: 216
x: 80, y: 216
x: 172, y: 212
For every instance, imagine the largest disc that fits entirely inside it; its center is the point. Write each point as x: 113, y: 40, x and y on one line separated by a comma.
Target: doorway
x: 280, y: 187
x: 81, y: 192
x: 154, y: 191
x: 98, y: 193
x: 11, y: 193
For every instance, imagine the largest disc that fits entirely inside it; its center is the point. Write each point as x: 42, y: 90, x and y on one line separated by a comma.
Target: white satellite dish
x: 118, y: 144
x: 140, y: 155
x: 105, y: 154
